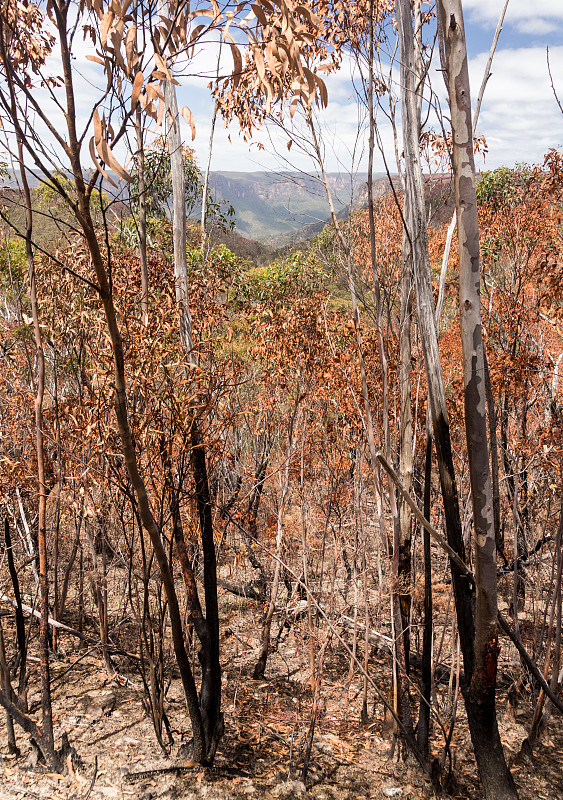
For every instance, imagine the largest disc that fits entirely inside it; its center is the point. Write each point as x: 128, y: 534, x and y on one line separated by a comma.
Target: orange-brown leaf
x: 188, y: 116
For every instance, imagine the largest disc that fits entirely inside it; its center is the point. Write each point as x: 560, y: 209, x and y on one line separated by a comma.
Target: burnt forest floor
x: 267, y: 724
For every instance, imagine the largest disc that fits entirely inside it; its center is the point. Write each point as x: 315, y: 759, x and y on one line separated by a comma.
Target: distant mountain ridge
x: 270, y: 206
x: 277, y: 210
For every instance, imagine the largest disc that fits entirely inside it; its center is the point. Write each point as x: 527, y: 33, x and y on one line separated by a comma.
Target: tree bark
x: 418, y: 241
x: 480, y: 692
x: 423, y: 727
x: 47, y: 743
x: 405, y: 445
x: 492, y: 419
x: 142, y: 218
x: 20, y: 621
x: 496, y: 779
x: 84, y: 217
x: 210, y: 697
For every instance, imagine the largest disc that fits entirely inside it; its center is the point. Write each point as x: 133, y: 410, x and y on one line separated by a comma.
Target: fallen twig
x: 92, y: 782
x: 131, y: 777
x: 72, y: 631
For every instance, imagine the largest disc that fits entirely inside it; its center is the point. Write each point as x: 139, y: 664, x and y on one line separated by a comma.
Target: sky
x: 519, y: 117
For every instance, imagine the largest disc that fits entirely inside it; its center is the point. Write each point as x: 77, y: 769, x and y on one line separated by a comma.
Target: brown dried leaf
x: 104, y: 150
x: 196, y: 31
x: 98, y: 7
x: 159, y: 61
x: 130, y: 49
x: 312, y: 18
x: 181, y: 27
x: 149, y: 107
x: 260, y: 15
x: 153, y: 91
x: 137, y: 86
x: 322, y: 91
x: 188, y: 116
x: 98, y: 131
x: 260, y: 66
x: 107, y: 21
x: 99, y: 167
x: 237, y: 61
x: 161, y: 107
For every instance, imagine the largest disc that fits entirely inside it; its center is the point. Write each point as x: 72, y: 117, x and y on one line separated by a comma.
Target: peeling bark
x: 480, y: 691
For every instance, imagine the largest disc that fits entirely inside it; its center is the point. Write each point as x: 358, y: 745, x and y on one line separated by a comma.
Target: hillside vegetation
x: 273, y: 207
x: 279, y: 412
x: 276, y: 522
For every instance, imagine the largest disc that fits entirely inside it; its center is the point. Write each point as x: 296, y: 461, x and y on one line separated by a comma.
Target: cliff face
x: 276, y: 186
x: 381, y: 187
x: 268, y: 205
x: 439, y: 192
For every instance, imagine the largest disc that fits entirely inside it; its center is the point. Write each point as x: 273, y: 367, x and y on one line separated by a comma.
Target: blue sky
x: 519, y: 117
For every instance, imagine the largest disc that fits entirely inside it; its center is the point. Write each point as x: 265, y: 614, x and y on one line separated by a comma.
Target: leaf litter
x: 262, y: 753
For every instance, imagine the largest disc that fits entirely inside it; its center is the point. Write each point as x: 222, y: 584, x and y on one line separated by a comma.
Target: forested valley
x: 274, y: 523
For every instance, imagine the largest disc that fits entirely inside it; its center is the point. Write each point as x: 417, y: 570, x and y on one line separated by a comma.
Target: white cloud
x: 541, y: 16
x: 519, y: 116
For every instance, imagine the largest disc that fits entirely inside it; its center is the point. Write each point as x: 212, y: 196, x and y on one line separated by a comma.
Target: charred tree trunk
x: 84, y: 218
x: 492, y: 418
x: 479, y: 652
x: 423, y: 728
x: 480, y: 682
x: 46, y: 742
x: 421, y: 263
x: 210, y: 699
x: 20, y: 621
x: 405, y: 445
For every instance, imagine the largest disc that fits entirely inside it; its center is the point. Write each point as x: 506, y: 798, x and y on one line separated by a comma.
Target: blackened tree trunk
x: 423, y: 727
x: 405, y: 447
x: 492, y: 419
x: 416, y: 234
x: 210, y: 696
x: 479, y: 653
x: 46, y: 741
x: 418, y: 241
x: 20, y: 621
x: 480, y: 684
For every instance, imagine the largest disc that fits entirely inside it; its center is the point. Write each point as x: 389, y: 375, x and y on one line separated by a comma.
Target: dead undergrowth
x: 268, y: 726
